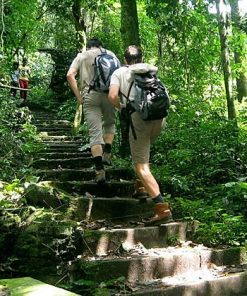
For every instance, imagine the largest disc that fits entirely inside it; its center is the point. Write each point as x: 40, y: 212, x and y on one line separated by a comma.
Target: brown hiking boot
x: 106, y: 158
x: 162, y: 214
x: 140, y: 191
x: 100, y: 176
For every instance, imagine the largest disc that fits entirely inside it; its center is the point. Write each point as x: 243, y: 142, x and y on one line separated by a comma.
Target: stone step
x: 50, y: 194
x: 74, y: 145
x: 84, y: 174
x: 111, y: 188
x: 51, y: 122
x: 44, y: 117
x: 58, y: 128
x: 141, y: 265
x: 207, y: 283
x: 46, y: 125
x: 72, y: 163
x: 61, y: 148
x: 46, y: 138
x: 55, y: 143
x: 56, y: 132
x: 102, y: 242
x: 61, y: 155
x: 115, y: 209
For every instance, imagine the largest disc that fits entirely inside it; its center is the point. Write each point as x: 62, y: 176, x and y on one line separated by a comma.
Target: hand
x: 122, y: 105
x: 80, y: 100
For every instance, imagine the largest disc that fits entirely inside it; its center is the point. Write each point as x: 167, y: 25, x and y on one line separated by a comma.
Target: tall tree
x: 80, y: 26
x: 130, y: 35
x: 129, y: 23
x: 224, y: 31
x: 238, y: 52
x: 20, y: 27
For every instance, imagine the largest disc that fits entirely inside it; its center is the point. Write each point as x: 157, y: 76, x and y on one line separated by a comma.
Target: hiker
x: 14, y: 75
x: 146, y: 131
x: 99, y: 114
x: 24, y: 74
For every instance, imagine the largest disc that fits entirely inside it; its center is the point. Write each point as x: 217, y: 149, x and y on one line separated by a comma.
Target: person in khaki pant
x: 99, y: 114
x: 146, y: 131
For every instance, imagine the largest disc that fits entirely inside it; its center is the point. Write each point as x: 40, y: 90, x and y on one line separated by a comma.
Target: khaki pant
x: 146, y: 133
x: 99, y: 116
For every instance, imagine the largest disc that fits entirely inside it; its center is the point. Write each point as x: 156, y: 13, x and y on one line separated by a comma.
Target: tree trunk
x: 130, y: 36
x: 224, y: 28
x: 62, y: 61
x: 129, y: 23
x: 238, y: 56
x: 80, y: 25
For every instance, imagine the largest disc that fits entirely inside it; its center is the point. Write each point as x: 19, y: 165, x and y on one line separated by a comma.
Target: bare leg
x: 108, y: 138
x: 96, y: 150
x: 162, y: 213
x: 148, y: 180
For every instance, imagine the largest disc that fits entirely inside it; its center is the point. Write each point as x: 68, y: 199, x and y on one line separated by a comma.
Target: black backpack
x: 151, y: 98
x: 104, y: 65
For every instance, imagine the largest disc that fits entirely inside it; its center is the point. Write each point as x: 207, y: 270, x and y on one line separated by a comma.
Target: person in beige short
x: 98, y: 112
x: 146, y: 131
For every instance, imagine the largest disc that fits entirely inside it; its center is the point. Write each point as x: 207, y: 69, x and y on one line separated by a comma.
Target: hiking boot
x: 162, y: 214
x: 100, y: 176
x: 106, y: 158
x: 140, y: 191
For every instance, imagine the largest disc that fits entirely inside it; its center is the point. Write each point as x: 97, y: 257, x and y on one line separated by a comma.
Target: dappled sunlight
x: 104, y: 242
x: 130, y: 236
x: 175, y: 265
x: 135, y: 271
x: 30, y: 287
x: 41, y: 290
x: 103, y: 245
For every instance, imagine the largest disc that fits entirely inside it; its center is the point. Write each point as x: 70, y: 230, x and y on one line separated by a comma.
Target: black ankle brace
x: 98, y: 163
x: 158, y: 199
x: 107, y: 148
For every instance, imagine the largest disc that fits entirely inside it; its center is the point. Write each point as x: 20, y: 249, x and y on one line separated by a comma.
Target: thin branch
x: 2, y: 21
x: 13, y: 87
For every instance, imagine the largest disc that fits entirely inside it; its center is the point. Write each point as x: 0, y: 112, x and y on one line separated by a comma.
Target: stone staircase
x: 115, y: 244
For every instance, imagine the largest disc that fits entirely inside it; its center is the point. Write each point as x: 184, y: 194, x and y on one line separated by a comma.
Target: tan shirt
x: 83, y: 63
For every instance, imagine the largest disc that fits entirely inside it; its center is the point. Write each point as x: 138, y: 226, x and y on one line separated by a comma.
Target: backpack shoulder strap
x: 130, y: 110
x: 127, y: 97
x: 102, y: 50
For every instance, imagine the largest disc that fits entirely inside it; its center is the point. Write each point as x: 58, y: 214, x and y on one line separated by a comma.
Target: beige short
x: 99, y: 115
x: 146, y: 132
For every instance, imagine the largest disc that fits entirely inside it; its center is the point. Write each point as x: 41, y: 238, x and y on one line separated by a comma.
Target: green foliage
x: 18, y: 139
x: 200, y: 157
x: 217, y: 224
x: 13, y: 213
x: 199, y: 147
x: 67, y: 110
x: 188, y: 46
x: 231, y: 231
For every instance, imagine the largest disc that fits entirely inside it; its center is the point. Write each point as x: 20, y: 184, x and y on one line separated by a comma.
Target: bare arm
x: 113, y: 96
x: 73, y: 84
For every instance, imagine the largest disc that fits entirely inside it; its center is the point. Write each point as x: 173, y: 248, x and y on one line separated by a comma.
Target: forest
x: 200, y: 159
